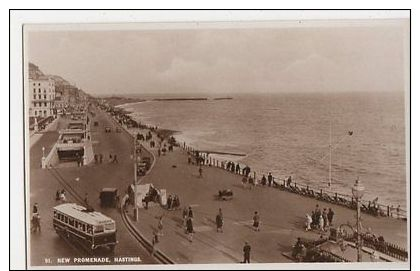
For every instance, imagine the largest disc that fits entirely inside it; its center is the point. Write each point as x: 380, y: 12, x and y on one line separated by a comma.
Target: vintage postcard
x: 163, y: 144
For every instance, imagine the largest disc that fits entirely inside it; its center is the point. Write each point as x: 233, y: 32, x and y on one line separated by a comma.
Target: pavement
x: 47, y: 245
x: 282, y: 214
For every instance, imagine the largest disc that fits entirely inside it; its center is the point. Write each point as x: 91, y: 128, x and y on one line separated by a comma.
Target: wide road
x: 89, y: 179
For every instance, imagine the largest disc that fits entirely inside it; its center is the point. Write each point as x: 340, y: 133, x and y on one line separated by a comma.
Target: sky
x: 242, y: 60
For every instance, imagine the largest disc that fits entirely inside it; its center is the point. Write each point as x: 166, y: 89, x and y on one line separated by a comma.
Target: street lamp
x: 43, y: 152
x: 358, y: 191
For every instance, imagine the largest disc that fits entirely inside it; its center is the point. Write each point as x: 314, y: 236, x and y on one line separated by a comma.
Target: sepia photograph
x: 281, y: 142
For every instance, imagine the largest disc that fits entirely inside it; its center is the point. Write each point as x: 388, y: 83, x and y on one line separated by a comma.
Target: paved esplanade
x: 92, y: 179
x: 282, y: 216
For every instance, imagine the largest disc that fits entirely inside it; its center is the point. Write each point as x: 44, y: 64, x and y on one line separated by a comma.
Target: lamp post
x: 358, y: 191
x: 43, y: 152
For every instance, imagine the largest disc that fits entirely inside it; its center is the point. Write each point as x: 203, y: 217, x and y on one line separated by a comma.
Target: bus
x: 89, y: 228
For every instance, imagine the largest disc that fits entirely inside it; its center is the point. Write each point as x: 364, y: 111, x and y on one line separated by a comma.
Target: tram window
x: 89, y: 229
x: 66, y: 220
x: 98, y: 229
x: 84, y: 227
x: 110, y: 227
x: 76, y: 224
x: 71, y: 222
x: 55, y: 214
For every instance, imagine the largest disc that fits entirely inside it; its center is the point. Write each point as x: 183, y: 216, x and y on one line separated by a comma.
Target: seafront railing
x: 368, y: 207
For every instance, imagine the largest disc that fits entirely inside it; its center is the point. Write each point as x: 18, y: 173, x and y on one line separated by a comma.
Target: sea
x: 290, y: 134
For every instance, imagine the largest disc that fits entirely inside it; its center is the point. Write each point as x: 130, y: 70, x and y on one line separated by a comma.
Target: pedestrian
x: 189, y: 159
x: 219, y: 221
x: 36, y: 222
x: 244, y: 181
x: 155, y: 240
x: 57, y: 195
x: 115, y: 159
x: 190, y: 212
x: 250, y: 182
x: 159, y: 152
x: 289, y: 181
x: 321, y: 223
x: 200, y: 171
x: 96, y: 158
x: 308, y: 222
x: 330, y: 216
x: 256, y: 221
x: 247, y: 253
x: 100, y: 158
x: 35, y: 208
x: 190, y: 229
x: 238, y: 169
x: 263, y: 180
x: 160, y: 226
x: 169, y: 203
x: 317, y: 215
x: 270, y: 179
x: 125, y: 202
x: 184, y: 216
x: 325, y: 217
x: 110, y: 158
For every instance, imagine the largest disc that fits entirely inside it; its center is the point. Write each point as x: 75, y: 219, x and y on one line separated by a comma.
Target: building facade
x: 42, y: 96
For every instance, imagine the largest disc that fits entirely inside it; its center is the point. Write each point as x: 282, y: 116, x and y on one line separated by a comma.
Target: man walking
x: 247, y: 253
x: 256, y: 220
x: 219, y: 221
x: 190, y: 229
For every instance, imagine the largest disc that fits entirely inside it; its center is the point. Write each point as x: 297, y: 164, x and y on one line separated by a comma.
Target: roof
x: 79, y: 212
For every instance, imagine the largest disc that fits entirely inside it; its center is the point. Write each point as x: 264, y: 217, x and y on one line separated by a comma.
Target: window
x: 39, y: 84
x: 34, y: 84
x: 99, y: 229
x: 71, y: 222
x: 45, y: 96
x: 45, y: 104
x: 36, y: 113
x: 45, y: 91
x: 34, y: 90
x: 66, y: 220
x: 39, y: 96
x: 110, y: 227
x: 35, y: 97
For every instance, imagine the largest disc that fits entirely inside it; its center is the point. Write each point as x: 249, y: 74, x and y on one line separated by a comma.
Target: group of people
x: 98, y: 158
x: 173, y: 202
x: 187, y: 218
x: 113, y: 159
x: 320, y: 220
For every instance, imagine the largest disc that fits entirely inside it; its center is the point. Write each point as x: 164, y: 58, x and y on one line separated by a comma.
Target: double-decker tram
x: 89, y: 228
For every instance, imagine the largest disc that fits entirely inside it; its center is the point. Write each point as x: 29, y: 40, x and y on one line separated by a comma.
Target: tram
x: 89, y: 228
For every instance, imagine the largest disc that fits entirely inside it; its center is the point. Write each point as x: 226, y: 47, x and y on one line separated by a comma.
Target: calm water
x: 289, y: 134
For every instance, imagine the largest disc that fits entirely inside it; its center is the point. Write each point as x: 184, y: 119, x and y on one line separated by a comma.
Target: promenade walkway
x: 282, y: 215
